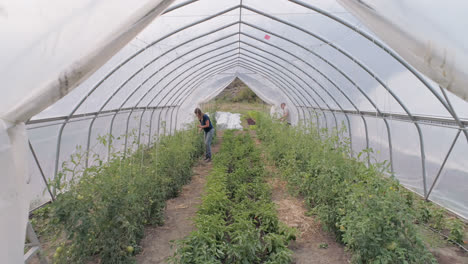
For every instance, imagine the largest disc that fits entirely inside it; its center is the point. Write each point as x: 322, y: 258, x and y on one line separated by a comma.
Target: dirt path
x: 292, y: 211
x: 178, y: 216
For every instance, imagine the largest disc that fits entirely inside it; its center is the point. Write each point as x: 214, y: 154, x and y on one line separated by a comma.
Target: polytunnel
x: 393, y: 73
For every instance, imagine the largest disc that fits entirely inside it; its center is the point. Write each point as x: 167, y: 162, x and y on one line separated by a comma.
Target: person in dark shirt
x: 205, y: 124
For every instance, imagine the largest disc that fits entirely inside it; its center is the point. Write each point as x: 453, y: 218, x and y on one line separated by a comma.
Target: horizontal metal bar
x: 91, y: 114
x: 426, y: 120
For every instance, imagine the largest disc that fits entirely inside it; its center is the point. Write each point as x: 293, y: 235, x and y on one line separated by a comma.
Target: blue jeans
x: 208, y: 139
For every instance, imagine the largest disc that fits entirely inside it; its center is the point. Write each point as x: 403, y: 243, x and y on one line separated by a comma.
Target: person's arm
x: 207, y: 124
x: 285, y: 115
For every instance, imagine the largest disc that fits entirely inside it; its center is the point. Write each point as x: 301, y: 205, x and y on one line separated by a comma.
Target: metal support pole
x: 443, y: 164
x: 40, y: 170
x: 35, y: 245
x: 454, y: 112
x: 423, y: 157
x: 367, y: 141
x: 150, y: 127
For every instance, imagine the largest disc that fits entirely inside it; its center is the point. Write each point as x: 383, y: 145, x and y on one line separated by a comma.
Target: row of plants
x: 372, y: 215
x: 100, y: 214
x: 237, y: 221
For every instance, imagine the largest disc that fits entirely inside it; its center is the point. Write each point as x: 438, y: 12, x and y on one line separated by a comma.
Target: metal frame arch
x: 210, y: 67
x: 188, y: 92
x: 295, y: 75
x: 409, y: 114
x: 335, y: 85
x: 177, y: 68
x: 278, y: 79
x: 292, y: 79
x: 296, y: 98
x: 111, y: 125
x: 231, y: 64
x: 345, y: 53
x: 295, y: 66
x: 196, y: 57
x: 372, y: 74
x: 266, y: 73
x: 167, y: 85
x: 124, y: 62
x: 397, y: 57
x: 182, y: 99
x: 300, y: 98
x: 177, y: 106
x: 151, y: 76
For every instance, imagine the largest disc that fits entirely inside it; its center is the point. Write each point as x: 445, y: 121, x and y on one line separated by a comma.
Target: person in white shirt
x: 286, y: 116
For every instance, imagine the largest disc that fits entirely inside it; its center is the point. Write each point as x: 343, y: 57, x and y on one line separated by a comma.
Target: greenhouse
x: 98, y: 116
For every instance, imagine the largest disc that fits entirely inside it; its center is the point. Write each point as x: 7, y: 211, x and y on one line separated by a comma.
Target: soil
x: 292, y: 211
x: 310, y: 235
x: 156, y: 244
x: 450, y: 255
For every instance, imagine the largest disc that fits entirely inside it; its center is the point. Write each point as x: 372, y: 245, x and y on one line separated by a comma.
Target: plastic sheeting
x: 327, y: 71
x: 14, y: 200
x: 226, y: 120
x: 426, y: 34
x: 285, y: 52
x: 47, y: 50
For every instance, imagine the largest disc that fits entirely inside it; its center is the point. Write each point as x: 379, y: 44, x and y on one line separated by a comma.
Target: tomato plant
x: 100, y: 212
x: 369, y: 213
x: 237, y: 221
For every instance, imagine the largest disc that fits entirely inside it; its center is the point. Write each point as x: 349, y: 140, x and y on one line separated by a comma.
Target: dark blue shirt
x: 203, y: 122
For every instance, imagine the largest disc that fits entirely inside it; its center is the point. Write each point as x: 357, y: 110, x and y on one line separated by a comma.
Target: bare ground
x: 310, y: 235
x: 292, y: 211
x: 179, y: 213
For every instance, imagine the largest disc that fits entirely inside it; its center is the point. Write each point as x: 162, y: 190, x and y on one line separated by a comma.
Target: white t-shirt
x: 286, y: 112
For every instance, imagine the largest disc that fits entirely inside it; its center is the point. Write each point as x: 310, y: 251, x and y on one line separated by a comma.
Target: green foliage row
x: 370, y: 214
x: 237, y: 221
x: 437, y: 218
x: 102, y: 215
